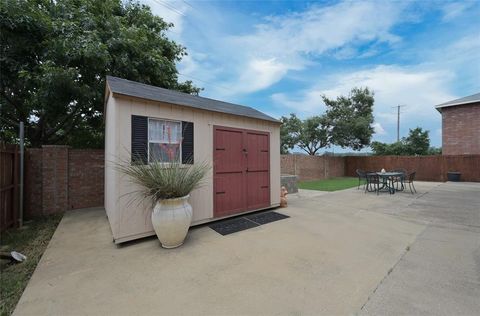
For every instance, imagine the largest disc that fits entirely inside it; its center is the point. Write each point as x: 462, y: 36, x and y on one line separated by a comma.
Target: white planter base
x: 171, y: 220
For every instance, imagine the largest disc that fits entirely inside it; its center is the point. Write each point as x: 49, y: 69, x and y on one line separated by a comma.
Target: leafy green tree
x: 416, y: 143
x: 346, y: 123
x: 310, y: 134
x: 55, y: 56
x: 434, y: 151
x: 351, y: 119
x: 383, y: 149
x: 289, y: 132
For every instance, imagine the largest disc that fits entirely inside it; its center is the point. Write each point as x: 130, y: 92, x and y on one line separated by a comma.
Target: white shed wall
x: 131, y: 220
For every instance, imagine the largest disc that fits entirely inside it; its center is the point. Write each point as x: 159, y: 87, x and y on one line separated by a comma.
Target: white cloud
x: 289, y: 42
x: 319, y: 29
x: 260, y: 73
x: 379, y: 129
x: 453, y: 10
x: 417, y: 88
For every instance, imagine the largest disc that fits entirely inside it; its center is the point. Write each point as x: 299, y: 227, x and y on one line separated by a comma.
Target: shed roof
x: 144, y: 91
x: 462, y: 101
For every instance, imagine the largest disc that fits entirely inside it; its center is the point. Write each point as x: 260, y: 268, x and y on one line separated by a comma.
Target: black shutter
x: 139, y: 139
x: 187, y: 142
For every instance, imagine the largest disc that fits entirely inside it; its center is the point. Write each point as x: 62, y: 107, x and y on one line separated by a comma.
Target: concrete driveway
x: 339, y: 253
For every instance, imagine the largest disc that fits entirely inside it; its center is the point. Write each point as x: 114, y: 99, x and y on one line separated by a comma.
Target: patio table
x: 387, y: 180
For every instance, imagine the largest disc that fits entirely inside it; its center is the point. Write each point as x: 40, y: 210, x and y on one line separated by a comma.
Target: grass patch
x: 332, y: 184
x: 31, y: 240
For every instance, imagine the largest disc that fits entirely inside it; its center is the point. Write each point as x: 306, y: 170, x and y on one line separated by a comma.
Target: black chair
x: 409, y: 179
x: 362, y: 178
x: 373, y: 182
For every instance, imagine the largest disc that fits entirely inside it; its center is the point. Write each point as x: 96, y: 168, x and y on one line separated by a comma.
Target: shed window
x: 164, y: 140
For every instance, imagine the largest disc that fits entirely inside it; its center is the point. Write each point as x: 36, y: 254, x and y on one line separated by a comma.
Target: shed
x: 240, y: 143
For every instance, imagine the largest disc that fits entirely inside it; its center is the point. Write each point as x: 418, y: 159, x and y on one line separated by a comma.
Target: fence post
x: 20, y: 208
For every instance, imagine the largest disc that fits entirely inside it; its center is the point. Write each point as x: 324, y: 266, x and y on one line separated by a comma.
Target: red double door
x: 241, y: 167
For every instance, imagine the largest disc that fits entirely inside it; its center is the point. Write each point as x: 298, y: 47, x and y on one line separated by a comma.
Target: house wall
x: 130, y: 219
x: 461, y: 129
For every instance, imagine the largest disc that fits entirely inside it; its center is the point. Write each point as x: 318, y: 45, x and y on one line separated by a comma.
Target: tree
x: 55, y: 56
x: 383, y: 149
x: 346, y: 123
x: 416, y: 143
x: 351, y: 119
x: 289, y: 132
x: 309, y: 135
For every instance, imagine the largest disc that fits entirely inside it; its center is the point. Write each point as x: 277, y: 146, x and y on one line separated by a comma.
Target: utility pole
x: 398, y: 120
x: 398, y: 123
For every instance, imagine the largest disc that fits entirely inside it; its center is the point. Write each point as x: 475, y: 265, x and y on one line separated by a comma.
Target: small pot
x: 171, y: 219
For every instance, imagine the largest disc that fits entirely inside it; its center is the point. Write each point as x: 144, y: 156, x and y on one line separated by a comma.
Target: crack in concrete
x: 408, y: 248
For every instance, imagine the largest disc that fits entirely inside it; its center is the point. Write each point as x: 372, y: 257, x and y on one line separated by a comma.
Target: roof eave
x: 441, y: 106
x: 195, y: 108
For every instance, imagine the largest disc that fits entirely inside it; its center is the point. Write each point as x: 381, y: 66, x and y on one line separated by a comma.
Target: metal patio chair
x: 362, y: 177
x: 409, y: 179
x: 401, y: 179
x: 373, y: 182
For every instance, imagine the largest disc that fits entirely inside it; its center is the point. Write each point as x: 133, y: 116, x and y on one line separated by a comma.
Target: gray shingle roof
x: 465, y: 100
x: 144, y: 91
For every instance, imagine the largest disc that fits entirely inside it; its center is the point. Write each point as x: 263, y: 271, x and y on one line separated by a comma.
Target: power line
x: 191, y: 6
x: 168, y: 6
x: 209, y: 83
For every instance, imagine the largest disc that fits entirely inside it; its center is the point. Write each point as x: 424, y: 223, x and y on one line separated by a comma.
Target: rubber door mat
x: 230, y: 226
x: 266, y: 217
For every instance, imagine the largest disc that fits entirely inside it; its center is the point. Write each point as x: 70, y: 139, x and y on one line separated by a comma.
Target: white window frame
x: 162, y: 142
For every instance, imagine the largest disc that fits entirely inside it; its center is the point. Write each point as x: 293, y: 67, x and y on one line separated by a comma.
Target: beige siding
x: 130, y: 220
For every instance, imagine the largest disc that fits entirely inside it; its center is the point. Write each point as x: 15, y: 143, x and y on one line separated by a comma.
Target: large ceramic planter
x: 171, y: 219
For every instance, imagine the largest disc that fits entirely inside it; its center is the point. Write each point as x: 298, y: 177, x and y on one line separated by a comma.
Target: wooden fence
x: 428, y: 168
x: 9, y: 185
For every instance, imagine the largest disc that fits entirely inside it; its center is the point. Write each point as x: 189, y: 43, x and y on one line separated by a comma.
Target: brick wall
x: 461, y: 129
x: 58, y: 178
x: 312, y: 167
x: 33, y: 197
x: 54, y: 179
x: 85, y: 178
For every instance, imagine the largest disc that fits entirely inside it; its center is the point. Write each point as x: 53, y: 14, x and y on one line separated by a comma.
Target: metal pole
x: 20, y: 219
x: 398, y: 123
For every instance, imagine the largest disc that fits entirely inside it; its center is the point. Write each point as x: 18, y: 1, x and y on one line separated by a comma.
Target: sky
x: 280, y: 57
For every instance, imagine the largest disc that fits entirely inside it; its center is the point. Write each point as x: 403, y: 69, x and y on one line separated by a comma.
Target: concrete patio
x: 339, y: 253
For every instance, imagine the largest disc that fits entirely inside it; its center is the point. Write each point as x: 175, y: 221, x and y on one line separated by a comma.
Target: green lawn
x: 31, y: 240
x: 332, y: 184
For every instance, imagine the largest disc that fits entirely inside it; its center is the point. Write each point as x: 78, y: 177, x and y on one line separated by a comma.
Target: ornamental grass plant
x: 159, y: 180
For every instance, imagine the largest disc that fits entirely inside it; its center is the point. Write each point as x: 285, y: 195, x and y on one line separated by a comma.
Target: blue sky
x: 282, y: 56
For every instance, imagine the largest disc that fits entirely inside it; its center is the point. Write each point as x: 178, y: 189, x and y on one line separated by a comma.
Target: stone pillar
x: 54, y: 179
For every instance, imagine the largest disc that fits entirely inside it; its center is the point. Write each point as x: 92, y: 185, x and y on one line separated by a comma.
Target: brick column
x: 54, y: 179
